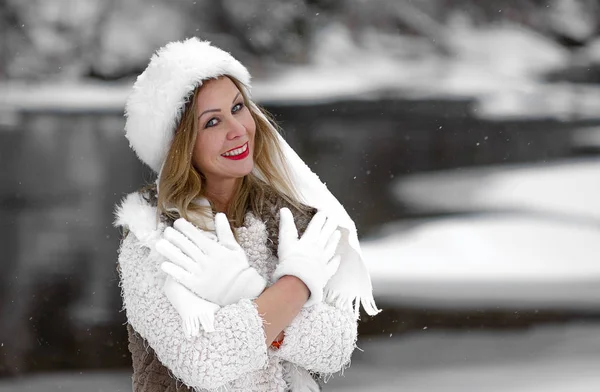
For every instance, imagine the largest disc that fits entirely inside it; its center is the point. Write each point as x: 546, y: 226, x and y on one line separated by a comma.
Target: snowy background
x: 462, y: 136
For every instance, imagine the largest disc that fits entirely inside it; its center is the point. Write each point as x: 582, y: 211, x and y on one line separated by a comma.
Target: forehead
x: 214, y: 91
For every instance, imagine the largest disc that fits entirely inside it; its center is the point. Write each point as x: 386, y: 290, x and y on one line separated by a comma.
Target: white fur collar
x: 139, y: 217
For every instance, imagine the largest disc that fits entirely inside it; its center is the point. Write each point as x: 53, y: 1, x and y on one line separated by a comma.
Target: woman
x: 239, y: 269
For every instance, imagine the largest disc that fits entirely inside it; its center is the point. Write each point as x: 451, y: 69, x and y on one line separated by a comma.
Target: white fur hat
x: 154, y: 107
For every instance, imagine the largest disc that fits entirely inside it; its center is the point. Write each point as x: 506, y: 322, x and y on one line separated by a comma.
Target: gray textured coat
x: 319, y: 341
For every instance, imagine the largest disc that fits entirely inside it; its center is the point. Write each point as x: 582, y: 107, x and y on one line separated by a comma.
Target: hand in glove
x: 310, y: 258
x: 216, y: 271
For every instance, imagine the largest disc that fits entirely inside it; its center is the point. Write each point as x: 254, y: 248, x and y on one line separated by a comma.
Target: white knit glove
x: 205, y: 268
x: 310, y: 258
x: 217, y: 271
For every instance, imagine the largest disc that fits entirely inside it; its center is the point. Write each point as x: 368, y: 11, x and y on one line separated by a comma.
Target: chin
x: 245, y: 171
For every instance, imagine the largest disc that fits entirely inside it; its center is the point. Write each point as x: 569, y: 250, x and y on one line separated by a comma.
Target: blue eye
x: 211, y: 123
x: 237, y: 108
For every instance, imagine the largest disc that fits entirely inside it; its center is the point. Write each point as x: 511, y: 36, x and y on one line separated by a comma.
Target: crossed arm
x: 320, y: 338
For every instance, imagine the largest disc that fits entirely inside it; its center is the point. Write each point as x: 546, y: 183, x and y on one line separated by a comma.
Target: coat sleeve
x: 237, y: 345
x: 321, y: 338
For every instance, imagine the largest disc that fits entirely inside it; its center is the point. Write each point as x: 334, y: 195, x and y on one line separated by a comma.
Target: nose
x: 235, y: 129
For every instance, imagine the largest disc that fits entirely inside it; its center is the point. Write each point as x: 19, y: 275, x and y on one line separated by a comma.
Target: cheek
x: 250, y: 125
x: 205, y: 148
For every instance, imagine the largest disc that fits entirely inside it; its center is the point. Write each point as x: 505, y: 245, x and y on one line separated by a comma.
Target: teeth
x: 237, y: 151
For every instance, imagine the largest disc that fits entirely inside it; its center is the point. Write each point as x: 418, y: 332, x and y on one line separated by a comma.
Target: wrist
x: 276, y: 344
x: 295, y: 284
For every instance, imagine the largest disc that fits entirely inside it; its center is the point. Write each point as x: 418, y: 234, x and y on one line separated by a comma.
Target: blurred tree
x: 113, y: 39
x: 110, y: 39
x: 49, y: 37
x: 127, y: 33
x: 573, y: 22
x: 269, y: 27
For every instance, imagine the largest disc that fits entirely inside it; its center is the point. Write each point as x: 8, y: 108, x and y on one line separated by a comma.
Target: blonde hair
x: 180, y: 183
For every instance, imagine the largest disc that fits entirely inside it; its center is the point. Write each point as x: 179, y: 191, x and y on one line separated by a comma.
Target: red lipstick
x: 240, y: 156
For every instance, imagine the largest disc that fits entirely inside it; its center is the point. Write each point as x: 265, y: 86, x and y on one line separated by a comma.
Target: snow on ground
x: 64, y: 96
x: 569, y: 189
x: 534, y: 243
x: 499, y: 66
x: 555, y: 358
x: 514, y: 261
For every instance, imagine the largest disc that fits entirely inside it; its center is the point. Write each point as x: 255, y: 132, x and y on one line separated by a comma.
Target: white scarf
x: 351, y: 284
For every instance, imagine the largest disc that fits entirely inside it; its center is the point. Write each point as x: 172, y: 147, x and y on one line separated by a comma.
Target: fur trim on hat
x: 154, y: 107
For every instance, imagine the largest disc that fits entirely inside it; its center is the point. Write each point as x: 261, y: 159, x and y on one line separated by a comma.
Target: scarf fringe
x: 368, y: 303
x: 343, y: 301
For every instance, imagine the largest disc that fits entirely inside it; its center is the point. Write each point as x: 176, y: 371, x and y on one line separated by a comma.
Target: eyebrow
x: 217, y: 110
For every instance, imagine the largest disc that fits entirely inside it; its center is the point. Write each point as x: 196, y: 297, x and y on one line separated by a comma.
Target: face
x: 225, y: 133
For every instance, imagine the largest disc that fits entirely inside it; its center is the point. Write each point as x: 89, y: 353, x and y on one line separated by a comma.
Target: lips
x: 237, y: 153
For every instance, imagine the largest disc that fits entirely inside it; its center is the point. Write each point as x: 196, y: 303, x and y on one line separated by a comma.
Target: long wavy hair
x: 180, y: 183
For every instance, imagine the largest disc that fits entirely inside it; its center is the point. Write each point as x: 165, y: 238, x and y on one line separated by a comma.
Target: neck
x: 221, y: 192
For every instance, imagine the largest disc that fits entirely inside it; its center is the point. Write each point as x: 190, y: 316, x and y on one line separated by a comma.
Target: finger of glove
x: 196, y: 235
x: 207, y: 320
x: 315, y: 226
x: 185, y: 245
x: 211, y: 236
x: 329, y: 228
x: 180, y: 275
x: 176, y: 256
x: 333, y: 266
x: 332, y: 244
x: 287, y: 227
x: 224, y: 232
